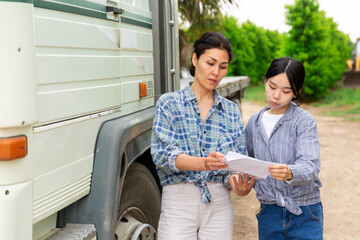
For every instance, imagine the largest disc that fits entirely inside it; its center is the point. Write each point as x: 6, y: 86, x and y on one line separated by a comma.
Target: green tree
x: 242, y: 47
x: 253, y: 46
x: 315, y: 40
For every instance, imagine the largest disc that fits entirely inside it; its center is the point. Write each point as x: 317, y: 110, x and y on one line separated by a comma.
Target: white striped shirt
x: 294, y: 141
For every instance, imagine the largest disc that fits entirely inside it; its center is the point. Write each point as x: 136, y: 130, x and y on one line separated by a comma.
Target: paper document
x: 245, y: 164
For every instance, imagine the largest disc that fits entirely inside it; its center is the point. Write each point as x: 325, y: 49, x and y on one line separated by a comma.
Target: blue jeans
x: 277, y: 223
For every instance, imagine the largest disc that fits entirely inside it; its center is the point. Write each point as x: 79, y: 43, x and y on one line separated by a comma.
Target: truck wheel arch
x: 120, y: 142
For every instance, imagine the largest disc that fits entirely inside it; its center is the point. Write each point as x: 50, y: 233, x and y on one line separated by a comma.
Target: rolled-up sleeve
x: 164, y: 147
x: 307, y: 165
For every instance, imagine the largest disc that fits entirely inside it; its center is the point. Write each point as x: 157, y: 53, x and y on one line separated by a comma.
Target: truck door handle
x: 114, y: 10
x: 172, y: 45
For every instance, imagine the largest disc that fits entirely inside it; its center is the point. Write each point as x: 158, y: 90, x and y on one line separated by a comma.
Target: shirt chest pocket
x: 226, y: 143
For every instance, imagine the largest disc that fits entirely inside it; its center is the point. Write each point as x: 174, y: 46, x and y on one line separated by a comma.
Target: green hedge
x: 254, y: 48
x: 314, y: 39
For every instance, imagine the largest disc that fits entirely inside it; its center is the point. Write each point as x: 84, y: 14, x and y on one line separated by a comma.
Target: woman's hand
x: 241, y: 186
x: 281, y: 172
x: 213, y: 161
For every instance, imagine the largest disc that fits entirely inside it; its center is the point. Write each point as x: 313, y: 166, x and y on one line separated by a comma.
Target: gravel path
x: 340, y: 175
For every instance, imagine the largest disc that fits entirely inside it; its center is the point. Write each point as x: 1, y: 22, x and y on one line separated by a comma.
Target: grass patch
x: 342, y: 102
x: 255, y: 93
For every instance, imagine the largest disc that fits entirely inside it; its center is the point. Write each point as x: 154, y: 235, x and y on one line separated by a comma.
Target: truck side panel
x: 85, y: 66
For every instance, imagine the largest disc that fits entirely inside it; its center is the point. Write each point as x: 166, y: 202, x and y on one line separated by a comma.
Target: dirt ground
x: 340, y: 175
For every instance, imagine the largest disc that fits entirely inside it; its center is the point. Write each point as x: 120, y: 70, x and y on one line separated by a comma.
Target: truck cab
x: 79, y: 80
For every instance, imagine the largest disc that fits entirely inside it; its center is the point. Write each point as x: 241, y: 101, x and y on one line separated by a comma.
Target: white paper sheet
x: 245, y: 164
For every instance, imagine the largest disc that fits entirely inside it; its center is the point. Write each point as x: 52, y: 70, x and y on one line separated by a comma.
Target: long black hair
x: 207, y: 41
x: 293, y: 69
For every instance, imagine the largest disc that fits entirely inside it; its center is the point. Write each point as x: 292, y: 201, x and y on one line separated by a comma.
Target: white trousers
x: 185, y: 217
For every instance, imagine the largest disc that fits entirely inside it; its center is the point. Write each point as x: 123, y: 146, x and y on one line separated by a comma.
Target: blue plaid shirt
x: 178, y: 128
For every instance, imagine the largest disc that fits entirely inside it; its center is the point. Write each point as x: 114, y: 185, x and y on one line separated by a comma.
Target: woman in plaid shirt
x: 192, y: 130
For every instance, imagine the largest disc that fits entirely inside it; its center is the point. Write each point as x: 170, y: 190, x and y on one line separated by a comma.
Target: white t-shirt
x: 269, y: 120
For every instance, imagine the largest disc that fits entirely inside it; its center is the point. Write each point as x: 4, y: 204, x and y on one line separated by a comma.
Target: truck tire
x: 140, y: 208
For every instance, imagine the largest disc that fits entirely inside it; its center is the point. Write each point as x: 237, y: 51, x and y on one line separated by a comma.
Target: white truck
x: 78, y: 83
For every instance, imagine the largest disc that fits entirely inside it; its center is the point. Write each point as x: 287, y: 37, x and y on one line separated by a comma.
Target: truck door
x: 166, y: 46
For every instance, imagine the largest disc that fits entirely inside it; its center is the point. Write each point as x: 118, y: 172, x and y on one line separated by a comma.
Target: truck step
x: 75, y: 232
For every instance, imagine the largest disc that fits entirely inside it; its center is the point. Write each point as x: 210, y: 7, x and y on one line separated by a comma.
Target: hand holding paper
x: 245, y: 164
x: 241, y: 185
x: 214, y: 161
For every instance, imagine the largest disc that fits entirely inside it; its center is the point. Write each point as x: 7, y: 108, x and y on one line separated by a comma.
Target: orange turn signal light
x: 143, y: 90
x: 12, y: 148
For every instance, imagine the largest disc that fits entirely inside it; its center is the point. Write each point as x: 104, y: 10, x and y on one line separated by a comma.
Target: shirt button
x: 203, y: 149
x: 204, y: 132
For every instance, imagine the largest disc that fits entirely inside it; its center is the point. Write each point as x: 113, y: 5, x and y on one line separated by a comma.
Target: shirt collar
x: 287, y: 116
x: 188, y: 95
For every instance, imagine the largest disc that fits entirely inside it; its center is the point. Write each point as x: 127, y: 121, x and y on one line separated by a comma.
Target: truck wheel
x: 140, y: 208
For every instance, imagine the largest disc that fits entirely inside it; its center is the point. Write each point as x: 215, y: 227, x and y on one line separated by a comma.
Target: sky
x: 270, y: 14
